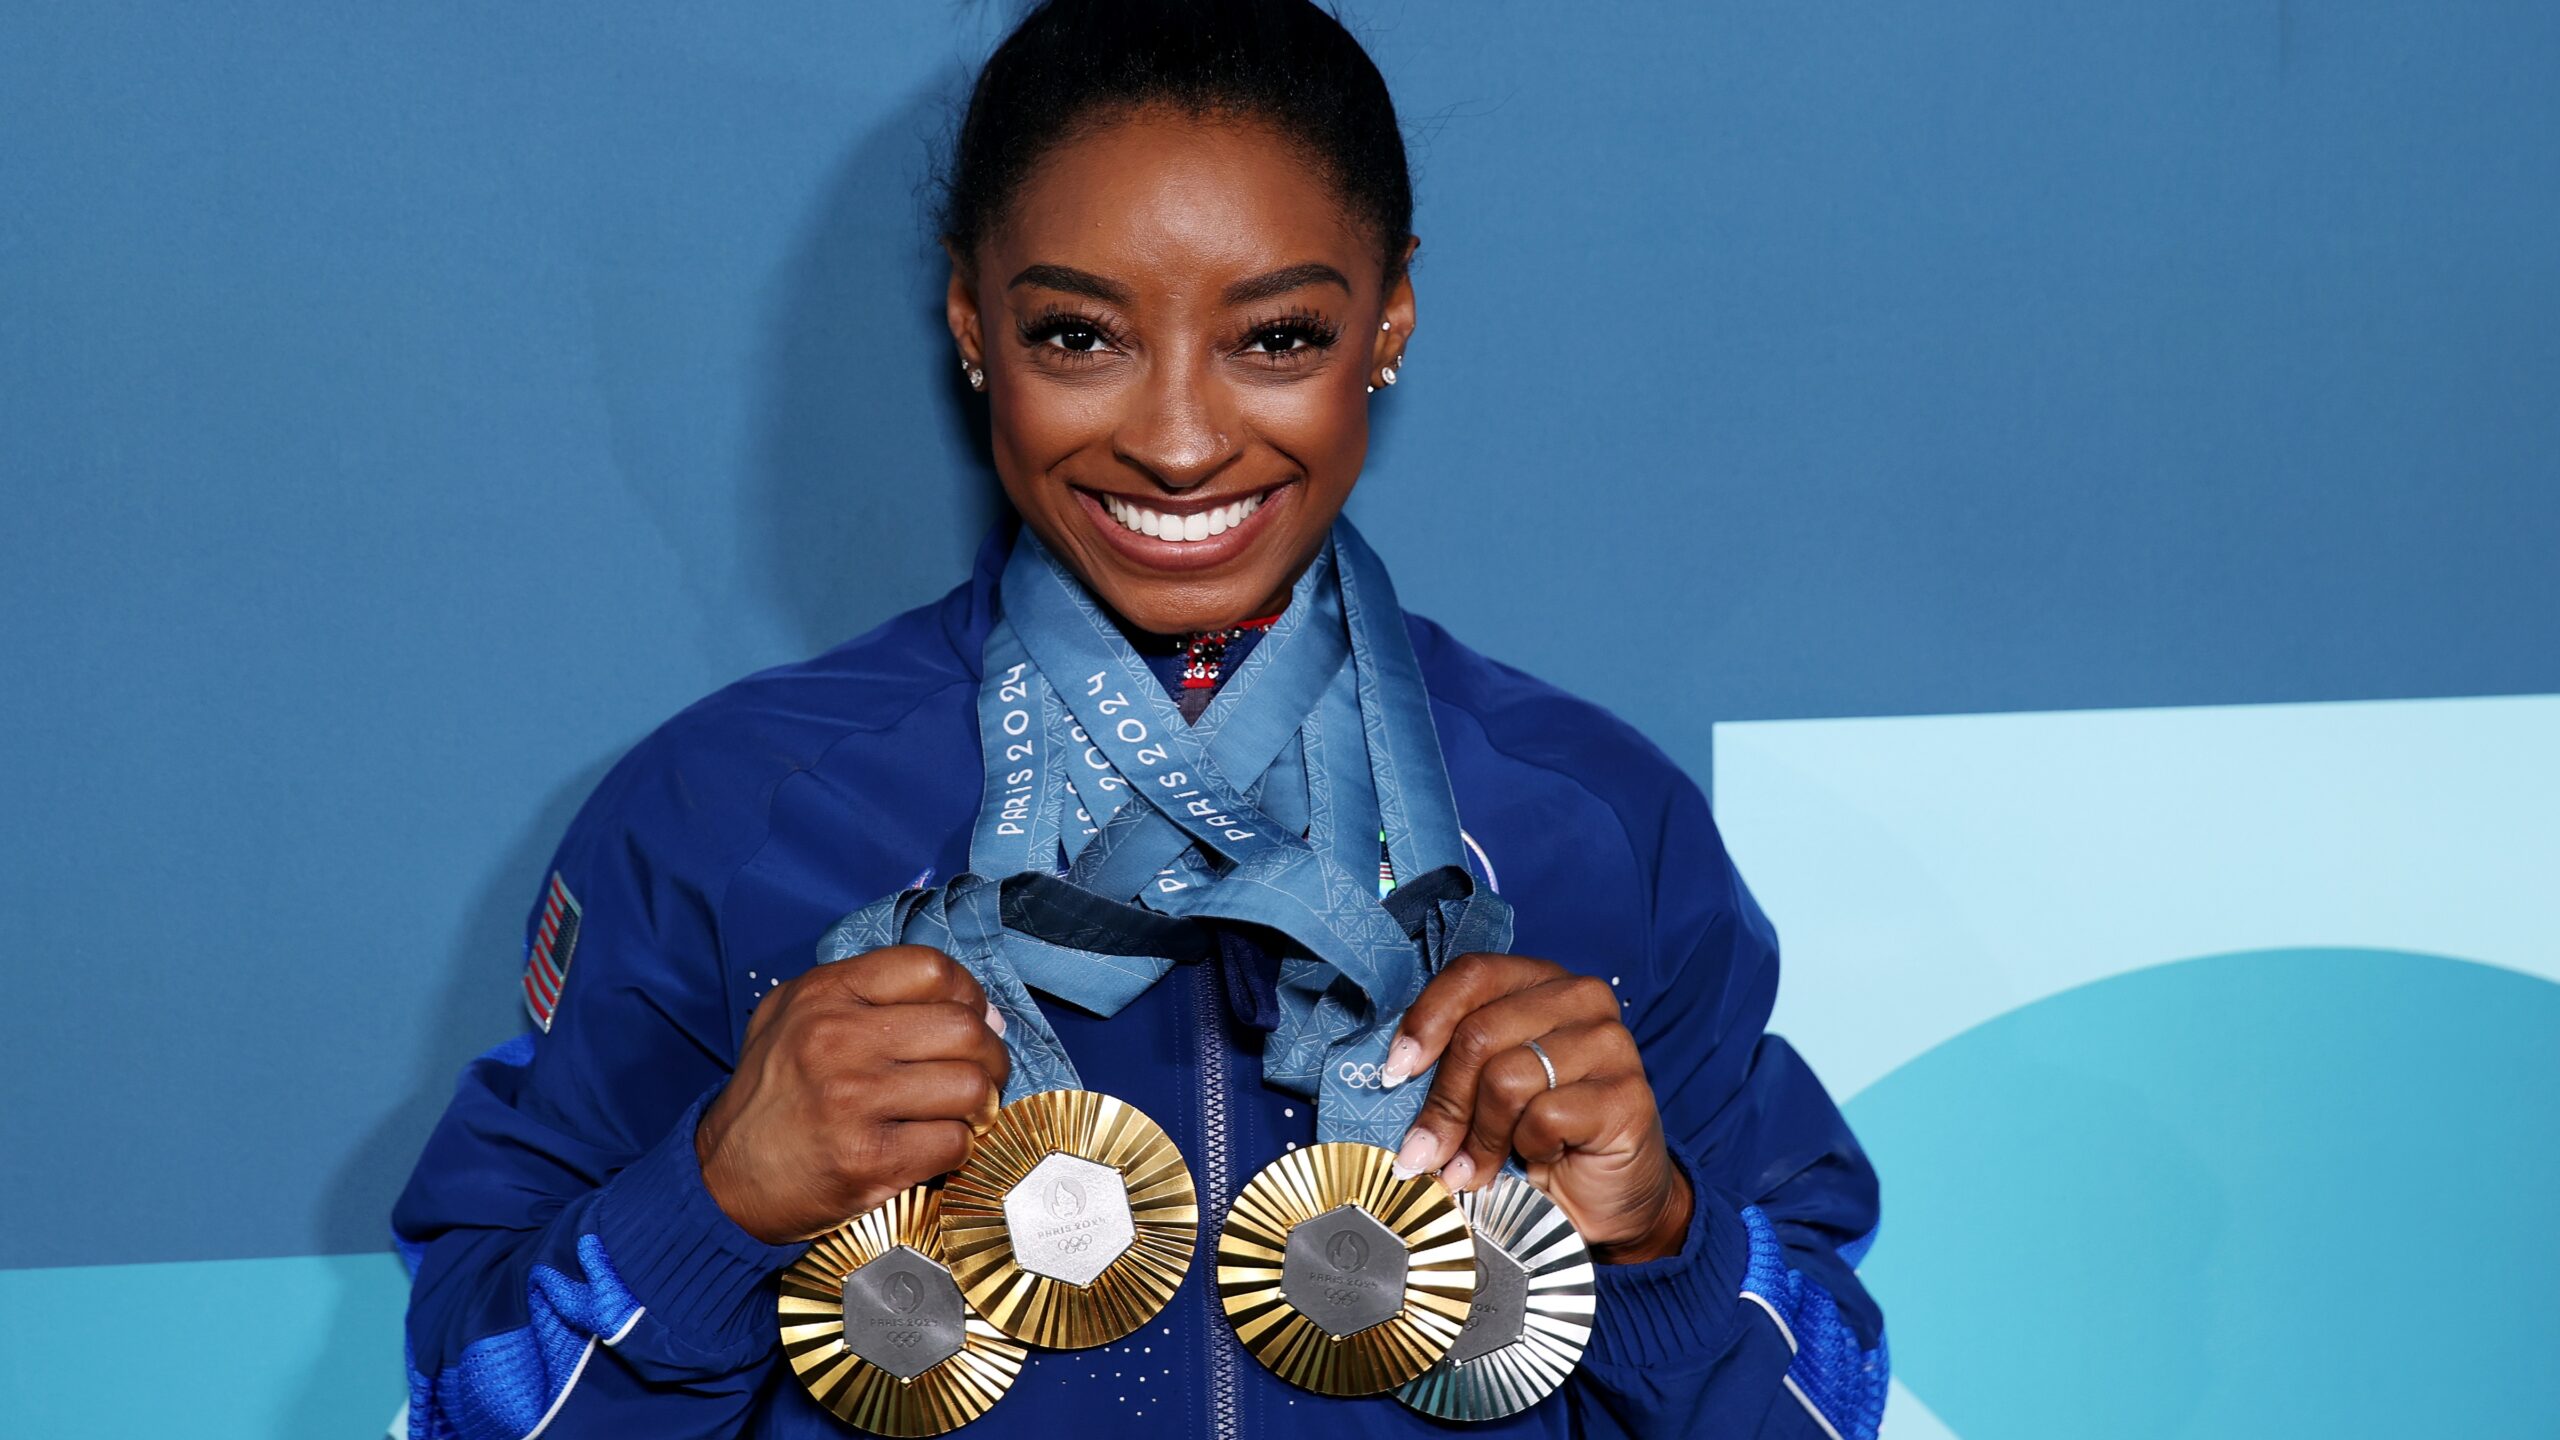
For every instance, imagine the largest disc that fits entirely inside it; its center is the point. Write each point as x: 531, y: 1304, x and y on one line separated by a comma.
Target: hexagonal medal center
x: 1500, y: 1315
x: 1344, y: 1271
x: 903, y: 1313
x: 1069, y: 1219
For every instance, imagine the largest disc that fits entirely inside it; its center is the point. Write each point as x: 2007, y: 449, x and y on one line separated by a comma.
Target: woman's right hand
x: 858, y: 1079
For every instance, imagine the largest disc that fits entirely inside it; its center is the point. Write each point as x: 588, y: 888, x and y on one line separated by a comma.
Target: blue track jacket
x: 574, y: 1278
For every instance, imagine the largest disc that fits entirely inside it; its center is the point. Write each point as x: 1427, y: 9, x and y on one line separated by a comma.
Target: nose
x: 1176, y: 428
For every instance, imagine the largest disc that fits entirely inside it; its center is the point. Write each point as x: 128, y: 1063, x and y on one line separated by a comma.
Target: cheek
x: 1317, y: 426
x: 1037, y: 426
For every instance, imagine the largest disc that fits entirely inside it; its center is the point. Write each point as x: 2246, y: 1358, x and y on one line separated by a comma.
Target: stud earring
x: 977, y: 377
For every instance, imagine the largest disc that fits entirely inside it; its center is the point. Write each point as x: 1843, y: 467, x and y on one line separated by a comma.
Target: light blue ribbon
x: 1112, y: 829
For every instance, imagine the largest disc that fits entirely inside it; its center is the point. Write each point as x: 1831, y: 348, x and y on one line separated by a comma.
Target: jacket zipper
x: 1216, y: 1173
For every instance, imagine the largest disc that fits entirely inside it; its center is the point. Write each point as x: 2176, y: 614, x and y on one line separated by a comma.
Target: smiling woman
x: 1160, y: 318
x: 1155, y: 294
x: 1197, y: 782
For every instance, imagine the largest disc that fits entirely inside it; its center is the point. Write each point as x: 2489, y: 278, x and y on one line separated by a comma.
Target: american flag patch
x: 546, y: 960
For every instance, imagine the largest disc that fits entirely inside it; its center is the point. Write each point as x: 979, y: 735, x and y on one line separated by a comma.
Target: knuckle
x: 1590, y: 992
x: 1448, y: 1106
x: 844, y: 1093
x: 1472, y: 1042
x: 1515, y: 1081
x: 858, y: 1154
x: 945, y: 1026
x: 945, y: 1147
x: 826, y: 1032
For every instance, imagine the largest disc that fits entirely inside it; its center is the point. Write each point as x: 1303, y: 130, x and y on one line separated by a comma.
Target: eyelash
x: 1310, y: 330
x: 1049, y: 324
x: 1303, y: 332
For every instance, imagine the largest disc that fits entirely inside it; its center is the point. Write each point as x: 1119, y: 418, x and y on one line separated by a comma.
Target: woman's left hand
x: 1592, y: 1140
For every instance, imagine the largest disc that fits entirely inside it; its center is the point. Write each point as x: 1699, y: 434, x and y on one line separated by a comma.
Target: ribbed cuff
x: 702, y: 1278
x: 1681, y: 1306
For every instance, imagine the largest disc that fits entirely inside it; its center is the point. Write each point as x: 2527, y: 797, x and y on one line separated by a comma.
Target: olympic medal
x: 875, y: 1326
x: 1073, y: 1221
x: 1532, y: 1314
x: 1342, y: 1278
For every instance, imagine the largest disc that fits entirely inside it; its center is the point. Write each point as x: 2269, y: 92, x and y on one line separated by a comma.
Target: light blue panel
x: 1927, y: 873
x: 2285, y: 1193
x: 305, y: 1348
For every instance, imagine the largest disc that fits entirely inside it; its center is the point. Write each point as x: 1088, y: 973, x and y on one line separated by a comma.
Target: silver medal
x: 1532, y: 1313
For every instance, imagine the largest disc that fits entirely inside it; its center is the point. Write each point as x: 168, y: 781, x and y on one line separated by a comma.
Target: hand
x: 1593, y: 1142
x: 857, y: 1080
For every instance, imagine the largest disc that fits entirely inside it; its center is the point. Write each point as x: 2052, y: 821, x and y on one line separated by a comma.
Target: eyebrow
x: 1284, y: 280
x: 1243, y: 292
x: 1073, y: 281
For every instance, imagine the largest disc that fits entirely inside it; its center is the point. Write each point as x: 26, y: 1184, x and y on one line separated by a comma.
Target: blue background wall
x: 404, y: 408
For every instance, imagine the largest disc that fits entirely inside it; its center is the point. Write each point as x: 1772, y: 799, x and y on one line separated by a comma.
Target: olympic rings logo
x: 1359, y: 1075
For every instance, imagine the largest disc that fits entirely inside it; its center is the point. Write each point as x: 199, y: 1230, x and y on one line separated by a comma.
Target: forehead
x: 1169, y: 203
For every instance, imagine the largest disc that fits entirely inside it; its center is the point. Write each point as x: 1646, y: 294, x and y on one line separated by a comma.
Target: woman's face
x: 1179, y: 322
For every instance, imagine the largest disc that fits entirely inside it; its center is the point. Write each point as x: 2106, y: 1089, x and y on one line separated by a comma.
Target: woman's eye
x: 1079, y: 339
x: 1279, y: 340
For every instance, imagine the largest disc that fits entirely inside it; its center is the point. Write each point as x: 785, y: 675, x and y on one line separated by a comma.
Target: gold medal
x: 876, y: 1328
x: 1073, y: 1221
x: 1532, y: 1314
x: 1342, y: 1278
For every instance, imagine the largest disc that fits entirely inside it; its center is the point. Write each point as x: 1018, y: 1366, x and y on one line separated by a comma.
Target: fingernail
x: 1416, y: 1155
x: 995, y: 1021
x: 1401, y: 1057
x: 1458, y: 1172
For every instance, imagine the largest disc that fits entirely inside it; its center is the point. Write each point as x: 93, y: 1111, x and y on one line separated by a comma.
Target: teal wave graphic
x: 2297, y: 1192
x: 280, y: 1349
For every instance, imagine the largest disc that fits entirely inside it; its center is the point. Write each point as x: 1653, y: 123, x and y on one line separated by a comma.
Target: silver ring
x: 1543, y: 1062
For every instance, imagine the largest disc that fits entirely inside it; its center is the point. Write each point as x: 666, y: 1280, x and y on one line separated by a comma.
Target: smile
x: 1180, y: 529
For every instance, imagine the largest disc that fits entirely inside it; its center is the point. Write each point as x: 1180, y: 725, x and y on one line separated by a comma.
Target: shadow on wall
x: 870, y: 484
x: 479, y: 1007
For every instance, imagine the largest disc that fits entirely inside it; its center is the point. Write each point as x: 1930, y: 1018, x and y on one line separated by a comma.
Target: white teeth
x: 1181, y: 529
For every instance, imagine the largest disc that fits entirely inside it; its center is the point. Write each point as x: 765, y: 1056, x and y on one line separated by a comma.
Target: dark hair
x: 1072, y: 65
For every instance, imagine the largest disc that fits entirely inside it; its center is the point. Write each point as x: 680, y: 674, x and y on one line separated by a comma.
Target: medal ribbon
x: 1110, y: 830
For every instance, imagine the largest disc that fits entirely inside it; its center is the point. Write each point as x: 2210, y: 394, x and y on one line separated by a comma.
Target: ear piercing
x: 978, y: 377
x: 1387, y: 376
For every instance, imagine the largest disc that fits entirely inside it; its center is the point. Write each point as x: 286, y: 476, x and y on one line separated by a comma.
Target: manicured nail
x: 995, y: 1021
x: 1458, y: 1172
x: 1416, y: 1155
x: 1401, y: 1057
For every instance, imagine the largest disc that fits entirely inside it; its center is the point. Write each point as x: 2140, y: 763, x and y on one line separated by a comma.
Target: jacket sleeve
x: 1758, y: 1326
x: 572, y: 1276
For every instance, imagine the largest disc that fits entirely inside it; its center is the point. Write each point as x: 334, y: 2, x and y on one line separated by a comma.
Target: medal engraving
x: 1344, y: 1271
x: 1534, y: 1304
x: 878, y: 1331
x: 1073, y: 1221
x: 1501, y: 1312
x: 1339, y: 1275
x: 1069, y: 1219
x: 903, y: 1313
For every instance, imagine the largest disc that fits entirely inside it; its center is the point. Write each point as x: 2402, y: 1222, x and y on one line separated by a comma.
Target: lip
x: 1184, y: 556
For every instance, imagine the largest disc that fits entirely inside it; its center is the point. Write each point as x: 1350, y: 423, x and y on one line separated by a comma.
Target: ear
x: 960, y: 308
x: 1387, y: 346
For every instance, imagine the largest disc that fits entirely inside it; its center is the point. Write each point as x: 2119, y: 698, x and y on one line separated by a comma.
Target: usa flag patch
x: 546, y: 961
